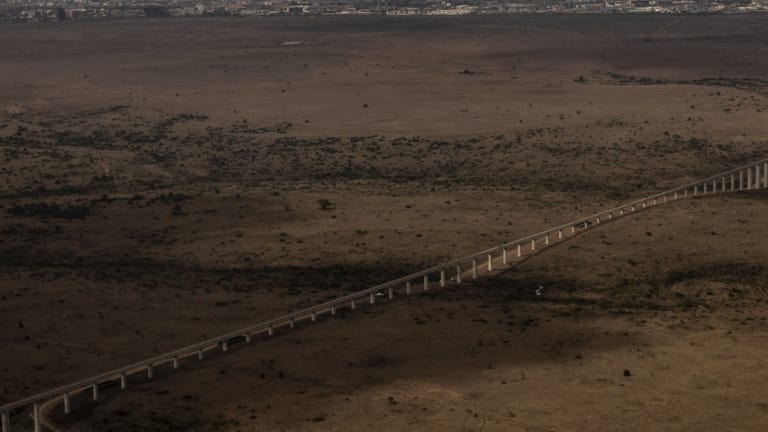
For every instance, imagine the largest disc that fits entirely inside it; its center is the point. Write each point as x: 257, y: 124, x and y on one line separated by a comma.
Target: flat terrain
x: 164, y: 181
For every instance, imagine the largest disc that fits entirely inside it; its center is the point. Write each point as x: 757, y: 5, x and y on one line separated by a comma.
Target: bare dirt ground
x: 161, y: 183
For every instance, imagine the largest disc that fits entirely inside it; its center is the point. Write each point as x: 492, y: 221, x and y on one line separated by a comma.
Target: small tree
x: 326, y: 204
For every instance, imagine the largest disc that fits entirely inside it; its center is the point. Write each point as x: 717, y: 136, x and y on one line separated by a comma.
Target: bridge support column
x: 546, y: 239
x: 490, y: 262
x: 695, y: 190
x: 765, y: 174
x: 533, y: 244
x: 504, y: 259
x: 151, y: 371
x: 65, y: 401
x: 685, y: 193
x: 247, y: 338
x: 559, y: 234
x: 597, y: 220
x: 271, y: 330
x: 6, y: 421
x: 741, y: 180
x: 426, y: 282
x: 333, y: 310
x: 124, y: 378
x: 458, y: 273
x: 95, y: 390
x: 224, y: 346
x: 313, y: 316
x: 519, y: 251
x: 674, y: 197
x: 408, y: 287
x: 176, y: 359
x: 573, y: 229
x: 371, y: 298
x: 390, y: 293
x: 200, y: 354
x: 610, y: 216
x: 442, y: 278
x: 292, y: 323
x: 644, y: 204
x: 474, y: 268
x: 36, y: 416
x: 714, y: 186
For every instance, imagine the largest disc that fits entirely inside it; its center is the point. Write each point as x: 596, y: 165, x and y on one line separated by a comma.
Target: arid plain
x: 164, y: 181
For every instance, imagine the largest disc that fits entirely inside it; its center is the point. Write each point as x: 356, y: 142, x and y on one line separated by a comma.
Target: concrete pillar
x: 124, y: 379
x: 458, y: 273
x: 371, y: 298
x: 95, y: 390
x: 654, y: 201
x: 426, y: 282
x: 546, y: 239
x: 36, y: 416
x: 665, y: 199
x: 765, y: 174
x: 597, y: 220
x: 224, y: 346
x: 474, y: 268
x: 292, y: 323
x: 504, y: 256
x: 610, y: 216
x: 352, y: 304
x: 407, y: 287
x: 695, y: 190
x: 442, y: 277
x: 313, y: 316
x: 741, y: 179
x: 6, y: 421
x: 271, y: 330
x: 714, y: 186
x: 573, y: 229
x: 533, y: 244
x: 200, y: 354
x: 685, y: 193
x: 151, y: 372
x: 490, y: 262
x: 675, y: 196
x: 247, y: 338
x: 633, y: 208
x: 176, y: 359
x: 65, y: 401
x: 390, y: 293
x: 559, y: 234
x: 757, y: 176
x: 519, y: 251
x: 749, y: 178
x: 644, y: 205
x: 333, y: 310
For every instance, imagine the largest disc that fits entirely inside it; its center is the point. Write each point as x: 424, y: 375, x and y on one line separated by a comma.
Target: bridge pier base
x: 442, y: 278
x: 426, y: 282
x: 458, y: 274
x: 490, y: 262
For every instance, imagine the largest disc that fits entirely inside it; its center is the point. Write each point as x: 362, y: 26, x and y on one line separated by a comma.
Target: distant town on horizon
x: 13, y: 11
